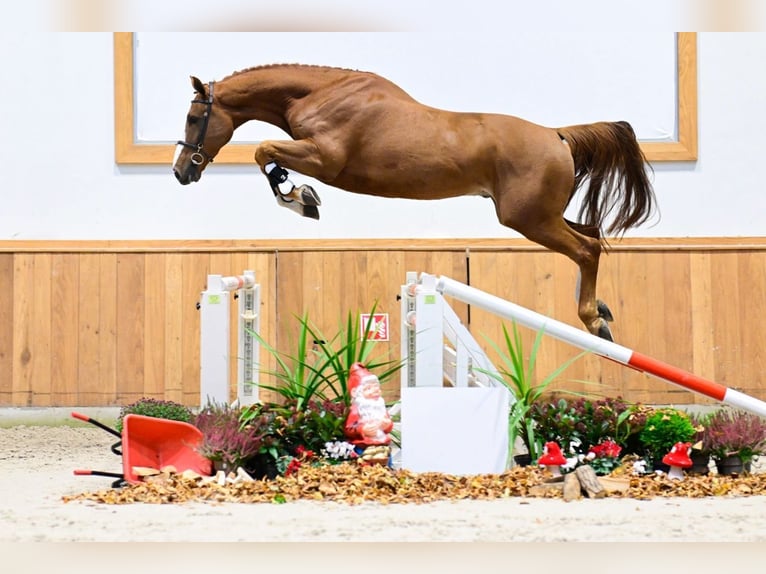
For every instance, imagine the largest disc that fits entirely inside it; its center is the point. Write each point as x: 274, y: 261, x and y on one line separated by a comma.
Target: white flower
x: 339, y: 450
x: 639, y: 467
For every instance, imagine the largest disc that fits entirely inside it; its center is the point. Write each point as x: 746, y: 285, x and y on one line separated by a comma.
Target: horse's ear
x: 198, y: 86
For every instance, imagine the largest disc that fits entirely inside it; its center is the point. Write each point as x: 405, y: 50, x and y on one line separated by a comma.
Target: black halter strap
x: 199, y: 154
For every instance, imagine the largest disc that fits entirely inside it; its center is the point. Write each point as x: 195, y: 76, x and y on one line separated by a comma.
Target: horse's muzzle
x: 189, y: 176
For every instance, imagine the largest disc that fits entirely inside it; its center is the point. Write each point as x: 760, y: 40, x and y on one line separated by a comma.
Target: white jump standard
x: 215, y: 334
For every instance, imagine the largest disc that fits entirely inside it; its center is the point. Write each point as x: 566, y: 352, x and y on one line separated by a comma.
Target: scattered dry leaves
x: 355, y: 484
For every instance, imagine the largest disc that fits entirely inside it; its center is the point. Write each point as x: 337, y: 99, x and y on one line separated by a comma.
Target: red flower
x: 303, y: 453
x: 293, y: 467
x: 607, y: 448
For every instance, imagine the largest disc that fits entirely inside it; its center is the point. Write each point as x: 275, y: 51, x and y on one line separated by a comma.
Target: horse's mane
x: 270, y: 66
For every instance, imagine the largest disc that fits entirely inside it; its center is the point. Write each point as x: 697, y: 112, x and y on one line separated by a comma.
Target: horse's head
x: 208, y: 129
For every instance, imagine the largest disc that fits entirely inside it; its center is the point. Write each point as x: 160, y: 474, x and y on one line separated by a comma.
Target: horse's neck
x: 264, y: 94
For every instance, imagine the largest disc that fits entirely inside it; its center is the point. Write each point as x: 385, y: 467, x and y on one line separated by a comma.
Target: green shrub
x: 664, y: 428
x: 581, y: 423
x: 156, y: 408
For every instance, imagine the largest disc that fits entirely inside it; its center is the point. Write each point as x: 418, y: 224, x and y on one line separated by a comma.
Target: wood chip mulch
x: 353, y: 484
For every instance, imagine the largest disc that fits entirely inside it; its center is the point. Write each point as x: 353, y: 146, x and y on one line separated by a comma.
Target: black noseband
x: 199, y: 154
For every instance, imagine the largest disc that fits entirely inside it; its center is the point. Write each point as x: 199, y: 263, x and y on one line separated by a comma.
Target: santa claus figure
x: 368, y: 424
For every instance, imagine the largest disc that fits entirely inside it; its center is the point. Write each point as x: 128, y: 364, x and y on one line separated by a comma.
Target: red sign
x: 376, y: 326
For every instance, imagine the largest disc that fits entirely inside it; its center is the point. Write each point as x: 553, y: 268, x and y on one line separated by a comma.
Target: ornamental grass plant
x: 517, y: 372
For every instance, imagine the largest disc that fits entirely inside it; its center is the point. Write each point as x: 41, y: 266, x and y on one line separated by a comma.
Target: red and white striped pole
x: 602, y: 347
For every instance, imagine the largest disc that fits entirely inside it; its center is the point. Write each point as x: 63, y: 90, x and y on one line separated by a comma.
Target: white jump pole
x: 602, y: 347
x: 214, y: 338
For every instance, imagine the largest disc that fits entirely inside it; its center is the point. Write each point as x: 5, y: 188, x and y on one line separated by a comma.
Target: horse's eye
x: 191, y: 120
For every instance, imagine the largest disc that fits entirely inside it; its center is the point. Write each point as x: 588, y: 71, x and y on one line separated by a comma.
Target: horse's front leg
x: 302, y: 156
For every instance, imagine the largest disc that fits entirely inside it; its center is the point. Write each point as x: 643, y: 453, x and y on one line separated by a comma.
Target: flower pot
x: 224, y: 466
x: 262, y: 466
x: 700, y: 463
x: 730, y: 465
x: 523, y: 459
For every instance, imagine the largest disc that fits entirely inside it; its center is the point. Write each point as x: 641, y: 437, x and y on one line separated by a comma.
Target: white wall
x: 61, y: 182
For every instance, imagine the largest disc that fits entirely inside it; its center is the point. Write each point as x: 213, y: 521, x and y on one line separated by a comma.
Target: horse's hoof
x: 310, y: 211
x: 604, y: 332
x: 308, y: 196
x: 603, y: 311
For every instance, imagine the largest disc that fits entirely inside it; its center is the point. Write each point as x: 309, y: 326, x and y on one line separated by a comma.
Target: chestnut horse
x: 361, y: 133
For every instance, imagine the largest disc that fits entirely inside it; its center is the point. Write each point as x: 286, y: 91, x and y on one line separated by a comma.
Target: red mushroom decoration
x: 678, y: 459
x: 552, y: 458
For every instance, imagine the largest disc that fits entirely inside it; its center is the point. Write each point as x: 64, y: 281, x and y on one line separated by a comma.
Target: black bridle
x: 199, y: 154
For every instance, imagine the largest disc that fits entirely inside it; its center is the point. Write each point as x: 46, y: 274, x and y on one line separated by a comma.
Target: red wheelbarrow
x: 152, y: 442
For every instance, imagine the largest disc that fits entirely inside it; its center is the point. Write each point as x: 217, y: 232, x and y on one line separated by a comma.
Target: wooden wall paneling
x: 6, y: 329
x: 726, y: 319
x: 174, y: 327
x: 154, y: 325
x: 40, y: 331
x: 652, y: 323
x: 633, y: 326
x: 264, y: 265
x: 543, y: 301
x: 65, y: 327
x: 564, y: 309
x: 604, y: 377
x: 105, y: 324
x: 335, y: 307
x: 289, y: 301
x: 701, y: 312
x: 196, y: 267
x: 751, y: 375
x: 314, y: 293
x: 90, y: 388
x: 23, y: 294
x: 131, y: 315
x: 677, y: 337
x: 493, y: 274
x: 381, y: 284
x: 108, y: 329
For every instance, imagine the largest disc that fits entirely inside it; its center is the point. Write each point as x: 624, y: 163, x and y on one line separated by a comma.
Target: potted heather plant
x: 734, y: 437
x: 226, y: 441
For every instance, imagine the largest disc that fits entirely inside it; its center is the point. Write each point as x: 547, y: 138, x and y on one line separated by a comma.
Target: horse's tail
x: 608, y: 155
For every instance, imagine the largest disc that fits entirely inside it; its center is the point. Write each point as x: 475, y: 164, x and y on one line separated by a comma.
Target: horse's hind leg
x: 582, y: 248
x: 594, y: 232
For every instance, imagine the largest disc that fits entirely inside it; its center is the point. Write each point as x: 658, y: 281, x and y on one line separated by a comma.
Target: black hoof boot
x: 276, y: 175
x: 603, y: 311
